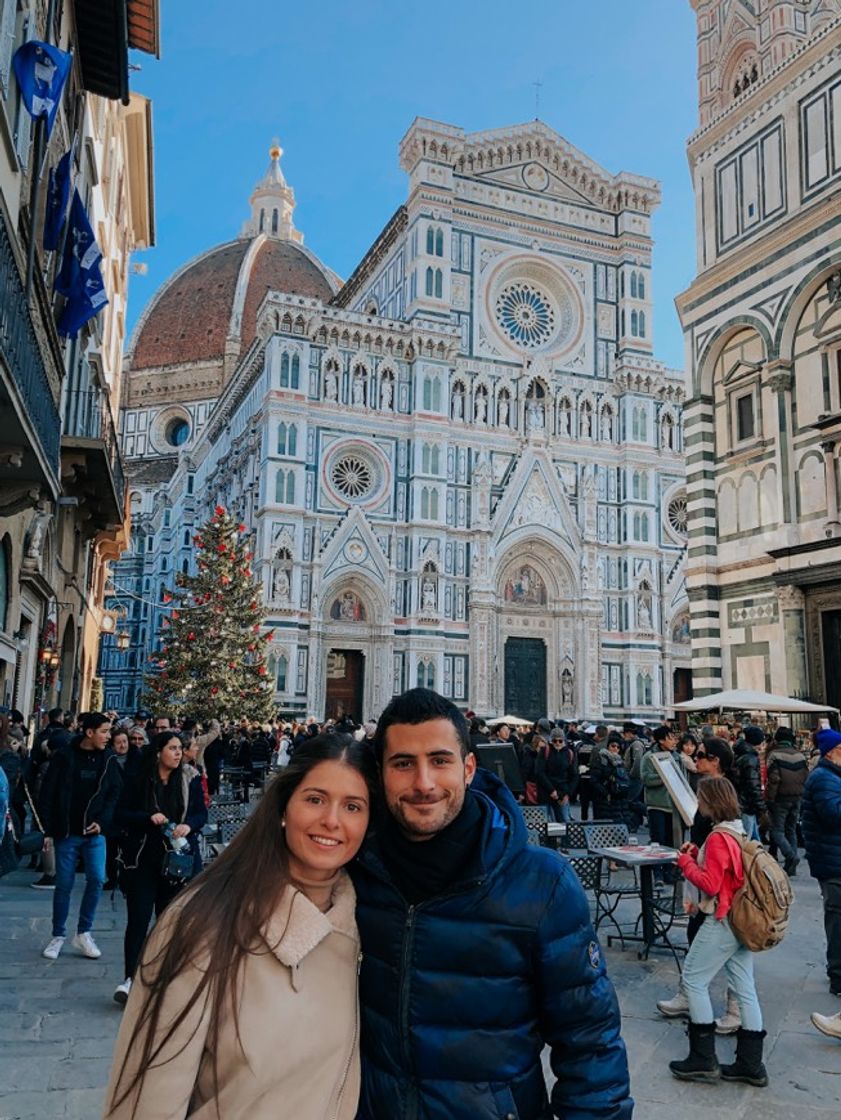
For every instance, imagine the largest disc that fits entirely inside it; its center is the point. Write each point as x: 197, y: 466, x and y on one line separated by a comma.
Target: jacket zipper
x: 349, y: 1061
x: 405, y: 986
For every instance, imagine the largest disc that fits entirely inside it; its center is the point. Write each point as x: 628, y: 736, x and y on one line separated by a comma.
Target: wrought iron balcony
x: 91, y: 455
x: 30, y: 430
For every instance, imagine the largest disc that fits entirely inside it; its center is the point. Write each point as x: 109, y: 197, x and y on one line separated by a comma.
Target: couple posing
x: 461, y: 950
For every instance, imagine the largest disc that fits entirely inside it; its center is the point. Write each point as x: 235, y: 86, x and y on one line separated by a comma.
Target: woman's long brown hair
x: 223, y: 913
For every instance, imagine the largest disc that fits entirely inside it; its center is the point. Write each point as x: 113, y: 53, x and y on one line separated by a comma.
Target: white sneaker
x: 53, y: 949
x: 121, y: 992
x: 674, y: 1008
x: 86, y: 946
x: 827, y: 1024
x: 731, y: 1020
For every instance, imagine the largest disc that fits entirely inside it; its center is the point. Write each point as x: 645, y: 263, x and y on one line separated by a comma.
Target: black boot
x: 702, y: 1064
x: 748, y: 1066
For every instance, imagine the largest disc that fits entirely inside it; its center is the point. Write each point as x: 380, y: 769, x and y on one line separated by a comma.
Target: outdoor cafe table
x: 645, y: 857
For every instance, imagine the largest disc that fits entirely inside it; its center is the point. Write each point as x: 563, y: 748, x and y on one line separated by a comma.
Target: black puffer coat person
x: 746, y: 773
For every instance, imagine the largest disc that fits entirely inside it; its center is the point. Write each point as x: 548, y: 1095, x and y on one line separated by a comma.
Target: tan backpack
x: 760, y: 910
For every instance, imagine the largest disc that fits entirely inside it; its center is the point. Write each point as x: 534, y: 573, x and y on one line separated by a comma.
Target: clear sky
x: 340, y: 83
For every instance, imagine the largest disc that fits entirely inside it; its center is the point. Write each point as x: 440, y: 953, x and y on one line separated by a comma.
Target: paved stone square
x: 58, y: 1021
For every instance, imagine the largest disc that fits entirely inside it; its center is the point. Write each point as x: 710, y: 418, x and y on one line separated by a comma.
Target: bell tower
x: 272, y: 204
x: 741, y: 41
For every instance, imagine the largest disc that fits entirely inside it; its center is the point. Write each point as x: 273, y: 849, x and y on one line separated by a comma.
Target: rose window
x: 526, y: 315
x: 678, y: 515
x: 352, y: 476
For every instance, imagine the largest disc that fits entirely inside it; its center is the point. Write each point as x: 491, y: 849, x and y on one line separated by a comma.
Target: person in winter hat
x: 747, y: 778
x: 787, y: 774
x: 821, y: 823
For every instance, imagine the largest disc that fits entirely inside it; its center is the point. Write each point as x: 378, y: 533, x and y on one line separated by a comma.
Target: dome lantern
x: 272, y: 203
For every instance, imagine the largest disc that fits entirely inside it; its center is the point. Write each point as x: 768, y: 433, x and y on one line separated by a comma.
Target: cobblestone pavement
x: 58, y: 1021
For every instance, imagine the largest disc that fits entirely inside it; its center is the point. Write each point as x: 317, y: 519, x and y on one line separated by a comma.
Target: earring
x: 283, y: 822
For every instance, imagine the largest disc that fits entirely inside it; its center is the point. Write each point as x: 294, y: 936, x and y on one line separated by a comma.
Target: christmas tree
x: 212, y: 663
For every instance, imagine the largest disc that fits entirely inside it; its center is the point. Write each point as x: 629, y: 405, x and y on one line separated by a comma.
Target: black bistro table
x: 645, y: 857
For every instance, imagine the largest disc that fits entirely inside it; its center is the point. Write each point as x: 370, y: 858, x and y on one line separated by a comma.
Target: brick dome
x: 214, y: 298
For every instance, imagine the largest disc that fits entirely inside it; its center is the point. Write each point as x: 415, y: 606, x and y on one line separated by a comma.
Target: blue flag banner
x: 58, y: 195
x: 79, y: 279
x: 81, y: 251
x: 84, y: 303
x: 41, y: 71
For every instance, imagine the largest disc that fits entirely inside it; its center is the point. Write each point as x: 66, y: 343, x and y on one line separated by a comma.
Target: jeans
x: 831, y: 891
x: 750, y: 826
x: 716, y: 946
x: 784, y: 814
x: 560, y: 811
x: 67, y: 851
x: 661, y: 831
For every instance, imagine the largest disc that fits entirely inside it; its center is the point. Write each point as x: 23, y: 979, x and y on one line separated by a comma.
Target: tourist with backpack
x: 718, y: 873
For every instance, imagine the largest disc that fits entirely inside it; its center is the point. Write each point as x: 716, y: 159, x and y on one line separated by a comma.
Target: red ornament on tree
x: 241, y: 528
x: 220, y: 511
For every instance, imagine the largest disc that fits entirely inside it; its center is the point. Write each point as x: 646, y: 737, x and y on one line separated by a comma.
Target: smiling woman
x: 237, y: 939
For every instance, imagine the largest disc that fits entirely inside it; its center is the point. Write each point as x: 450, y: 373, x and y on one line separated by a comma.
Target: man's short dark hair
x: 55, y: 714
x: 92, y: 721
x: 629, y: 728
x: 420, y: 705
x: 660, y: 733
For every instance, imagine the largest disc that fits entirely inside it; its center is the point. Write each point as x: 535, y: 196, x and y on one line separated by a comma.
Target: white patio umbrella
x: 512, y: 721
x: 749, y: 700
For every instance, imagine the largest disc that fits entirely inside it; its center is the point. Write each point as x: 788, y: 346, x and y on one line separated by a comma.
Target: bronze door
x: 525, y: 678
x: 345, y: 683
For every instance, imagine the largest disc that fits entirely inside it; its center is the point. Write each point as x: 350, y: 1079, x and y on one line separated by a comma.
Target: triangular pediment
x: 352, y: 549
x: 535, y: 498
x: 534, y: 176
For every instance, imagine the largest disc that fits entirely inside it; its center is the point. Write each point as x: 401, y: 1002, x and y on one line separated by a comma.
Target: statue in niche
x: 386, y: 394
x: 481, y: 411
x: 607, y: 426
x: 428, y: 596
x: 534, y: 415
x: 525, y: 588
x: 680, y: 631
x: 566, y: 421
x: 358, y: 389
x: 331, y: 385
x: 502, y: 411
x: 644, y: 612
x: 586, y: 423
x: 566, y: 688
x: 280, y: 588
x: 458, y: 405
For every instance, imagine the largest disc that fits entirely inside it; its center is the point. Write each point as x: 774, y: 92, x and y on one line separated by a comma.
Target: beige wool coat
x: 298, y: 1021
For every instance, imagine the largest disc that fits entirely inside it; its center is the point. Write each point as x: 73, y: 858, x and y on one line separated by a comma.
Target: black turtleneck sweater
x: 422, y: 869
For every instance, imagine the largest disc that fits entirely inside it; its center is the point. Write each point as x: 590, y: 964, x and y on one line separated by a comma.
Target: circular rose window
x: 678, y: 515
x: 526, y: 315
x: 352, y: 477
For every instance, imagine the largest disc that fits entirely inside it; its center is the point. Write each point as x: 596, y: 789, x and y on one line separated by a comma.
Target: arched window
x: 430, y: 280
x: 274, y: 221
x: 186, y: 538
x: 434, y: 460
x: 429, y: 504
x: 641, y: 286
x: 644, y: 527
x: 287, y: 439
x: 644, y: 486
x: 643, y: 425
x: 642, y: 324
x: 634, y: 324
x: 282, y: 670
x: 633, y: 285
x: 284, y: 371
x: 429, y: 458
x: 285, y: 487
x: 262, y: 220
x: 426, y: 674
x: 296, y: 371
x: 623, y: 320
x: 431, y: 394
x: 635, y: 486
x: 439, y: 243
x: 439, y: 283
x: 636, y: 526
x: 185, y: 566
x: 430, y: 240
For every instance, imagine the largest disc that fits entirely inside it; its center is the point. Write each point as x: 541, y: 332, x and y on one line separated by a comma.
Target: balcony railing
x: 22, y: 355
x: 87, y: 415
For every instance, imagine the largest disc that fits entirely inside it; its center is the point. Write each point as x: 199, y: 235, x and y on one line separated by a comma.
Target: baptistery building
x: 461, y: 467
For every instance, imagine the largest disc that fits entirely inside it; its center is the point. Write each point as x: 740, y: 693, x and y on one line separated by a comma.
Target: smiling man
x: 477, y: 949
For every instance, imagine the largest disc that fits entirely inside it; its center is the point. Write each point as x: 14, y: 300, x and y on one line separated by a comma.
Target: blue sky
x: 340, y: 83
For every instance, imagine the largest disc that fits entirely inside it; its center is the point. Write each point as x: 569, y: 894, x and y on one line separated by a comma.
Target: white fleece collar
x: 298, y: 926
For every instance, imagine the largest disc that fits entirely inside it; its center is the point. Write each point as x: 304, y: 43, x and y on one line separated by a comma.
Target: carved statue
x: 428, y: 595
x: 833, y: 287
x: 481, y: 408
x: 358, y: 390
x: 280, y: 591
x: 534, y: 416
x: 386, y: 394
x: 643, y: 613
x: 458, y: 405
x: 502, y: 411
x: 331, y: 385
x: 566, y: 421
x: 566, y: 688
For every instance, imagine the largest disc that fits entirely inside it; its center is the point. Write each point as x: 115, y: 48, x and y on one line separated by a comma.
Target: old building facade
x: 461, y: 468
x: 762, y: 322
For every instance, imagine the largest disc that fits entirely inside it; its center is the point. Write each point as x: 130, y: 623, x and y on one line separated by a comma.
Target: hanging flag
x: 58, y: 195
x: 41, y: 71
x: 83, y: 303
x: 81, y: 251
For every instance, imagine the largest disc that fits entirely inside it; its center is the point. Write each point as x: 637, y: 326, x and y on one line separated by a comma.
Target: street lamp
x: 123, y: 640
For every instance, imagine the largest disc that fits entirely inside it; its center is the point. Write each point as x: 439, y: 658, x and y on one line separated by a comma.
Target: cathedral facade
x: 461, y: 468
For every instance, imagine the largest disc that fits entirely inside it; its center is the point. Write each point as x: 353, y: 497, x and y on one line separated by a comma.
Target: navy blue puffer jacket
x: 821, y: 820
x: 461, y: 992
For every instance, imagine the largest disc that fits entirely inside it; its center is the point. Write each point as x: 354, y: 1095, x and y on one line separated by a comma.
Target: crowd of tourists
x: 379, y: 859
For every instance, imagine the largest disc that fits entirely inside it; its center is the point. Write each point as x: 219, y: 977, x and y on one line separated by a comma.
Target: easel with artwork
x: 674, y: 779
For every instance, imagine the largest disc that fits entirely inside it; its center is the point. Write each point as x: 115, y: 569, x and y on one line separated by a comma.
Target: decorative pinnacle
x: 275, y: 151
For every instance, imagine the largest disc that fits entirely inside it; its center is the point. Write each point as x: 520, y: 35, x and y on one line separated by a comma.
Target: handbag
x: 32, y: 842
x: 178, y: 866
